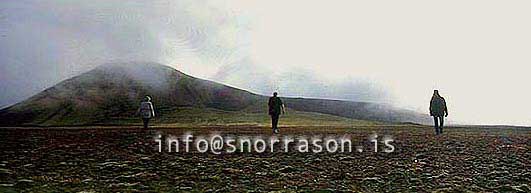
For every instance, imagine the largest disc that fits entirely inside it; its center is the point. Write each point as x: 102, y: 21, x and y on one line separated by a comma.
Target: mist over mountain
x: 208, y: 39
x: 294, y: 81
x: 112, y: 92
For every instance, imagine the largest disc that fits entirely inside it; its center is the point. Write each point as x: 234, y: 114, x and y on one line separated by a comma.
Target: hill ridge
x: 111, y: 92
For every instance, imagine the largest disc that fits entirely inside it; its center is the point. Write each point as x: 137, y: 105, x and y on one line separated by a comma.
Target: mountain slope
x: 110, y: 93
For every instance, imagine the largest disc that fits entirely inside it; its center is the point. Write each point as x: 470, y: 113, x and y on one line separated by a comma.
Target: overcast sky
x: 477, y: 53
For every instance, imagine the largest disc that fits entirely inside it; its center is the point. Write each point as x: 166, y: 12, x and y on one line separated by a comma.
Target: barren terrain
x: 126, y: 159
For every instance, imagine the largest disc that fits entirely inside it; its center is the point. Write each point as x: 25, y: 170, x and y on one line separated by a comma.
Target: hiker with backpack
x: 146, y: 110
x: 438, y: 110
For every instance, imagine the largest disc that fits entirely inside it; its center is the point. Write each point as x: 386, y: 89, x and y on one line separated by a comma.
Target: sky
x: 476, y: 52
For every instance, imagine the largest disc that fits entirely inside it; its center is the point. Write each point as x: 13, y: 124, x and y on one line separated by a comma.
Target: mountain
x: 110, y: 94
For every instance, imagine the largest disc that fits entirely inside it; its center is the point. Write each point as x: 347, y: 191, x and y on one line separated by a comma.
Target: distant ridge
x: 111, y: 93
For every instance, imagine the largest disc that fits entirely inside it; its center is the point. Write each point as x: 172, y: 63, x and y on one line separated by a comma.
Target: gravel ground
x: 127, y: 160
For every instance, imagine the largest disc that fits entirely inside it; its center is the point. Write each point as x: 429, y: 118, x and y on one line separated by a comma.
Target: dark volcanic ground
x: 127, y: 160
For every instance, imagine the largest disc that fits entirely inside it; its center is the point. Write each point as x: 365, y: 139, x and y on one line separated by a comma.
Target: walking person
x: 438, y: 110
x: 146, y: 110
x: 276, y: 107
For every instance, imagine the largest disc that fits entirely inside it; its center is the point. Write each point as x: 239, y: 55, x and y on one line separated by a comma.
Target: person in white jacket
x: 146, y: 110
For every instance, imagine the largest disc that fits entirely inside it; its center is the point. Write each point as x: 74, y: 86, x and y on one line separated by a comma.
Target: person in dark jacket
x: 146, y: 110
x: 438, y: 109
x: 276, y: 107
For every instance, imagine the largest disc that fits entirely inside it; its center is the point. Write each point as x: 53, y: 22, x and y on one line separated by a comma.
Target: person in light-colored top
x: 146, y: 110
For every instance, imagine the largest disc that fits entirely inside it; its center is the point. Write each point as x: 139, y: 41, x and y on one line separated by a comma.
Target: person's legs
x: 274, y: 121
x: 441, y: 125
x: 146, y: 122
x: 436, y: 122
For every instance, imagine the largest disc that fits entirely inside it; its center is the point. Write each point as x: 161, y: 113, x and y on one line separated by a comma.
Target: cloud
x: 43, y: 43
x: 474, y: 52
x: 52, y: 41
